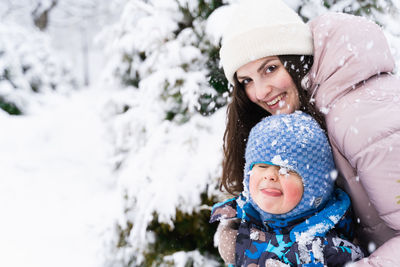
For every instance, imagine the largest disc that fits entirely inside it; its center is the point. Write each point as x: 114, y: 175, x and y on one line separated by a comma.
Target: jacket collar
x: 316, y: 224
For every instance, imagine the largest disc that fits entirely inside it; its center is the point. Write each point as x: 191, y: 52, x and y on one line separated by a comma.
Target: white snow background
x: 57, y: 191
x: 60, y: 195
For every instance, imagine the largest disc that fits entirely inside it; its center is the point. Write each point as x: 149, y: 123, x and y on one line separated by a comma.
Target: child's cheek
x: 252, y: 183
x: 293, y: 192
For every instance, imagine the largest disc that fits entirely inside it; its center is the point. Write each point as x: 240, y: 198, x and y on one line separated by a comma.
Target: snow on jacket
x: 352, y: 84
x: 313, y: 241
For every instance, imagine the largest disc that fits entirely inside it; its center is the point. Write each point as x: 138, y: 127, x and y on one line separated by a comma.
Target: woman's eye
x: 270, y: 69
x: 245, y: 82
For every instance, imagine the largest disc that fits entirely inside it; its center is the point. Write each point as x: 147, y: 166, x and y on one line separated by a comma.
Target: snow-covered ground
x: 57, y: 193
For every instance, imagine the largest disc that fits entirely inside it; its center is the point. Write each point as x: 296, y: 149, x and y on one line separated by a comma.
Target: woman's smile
x: 276, y: 100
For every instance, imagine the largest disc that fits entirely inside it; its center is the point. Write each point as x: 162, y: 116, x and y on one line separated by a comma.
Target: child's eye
x: 262, y: 166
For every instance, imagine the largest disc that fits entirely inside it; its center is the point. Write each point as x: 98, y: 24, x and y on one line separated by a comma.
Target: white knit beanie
x: 261, y: 28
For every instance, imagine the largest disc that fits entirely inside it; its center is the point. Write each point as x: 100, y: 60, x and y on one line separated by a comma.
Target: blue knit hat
x: 294, y: 141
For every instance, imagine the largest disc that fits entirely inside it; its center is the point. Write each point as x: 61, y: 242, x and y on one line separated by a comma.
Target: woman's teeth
x: 274, y: 101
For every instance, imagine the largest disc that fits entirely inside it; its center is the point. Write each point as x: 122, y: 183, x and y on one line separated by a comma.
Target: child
x: 289, y: 210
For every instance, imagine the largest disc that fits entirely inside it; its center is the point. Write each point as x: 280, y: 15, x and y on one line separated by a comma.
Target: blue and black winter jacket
x: 319, y: 240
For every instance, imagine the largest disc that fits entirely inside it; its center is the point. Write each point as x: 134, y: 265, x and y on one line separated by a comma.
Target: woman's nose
x: 262, y: 90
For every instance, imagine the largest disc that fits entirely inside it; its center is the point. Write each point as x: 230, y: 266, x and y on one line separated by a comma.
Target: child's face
x: 275, y: 192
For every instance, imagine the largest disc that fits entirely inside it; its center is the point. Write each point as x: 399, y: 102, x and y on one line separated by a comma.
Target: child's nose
x: 271, y: 177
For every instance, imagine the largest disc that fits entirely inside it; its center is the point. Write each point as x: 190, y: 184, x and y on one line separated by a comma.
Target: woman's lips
x: 274, y: 103
x: 271, y: 192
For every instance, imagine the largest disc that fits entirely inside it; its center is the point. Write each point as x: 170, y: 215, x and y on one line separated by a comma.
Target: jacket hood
x: 347, y: 50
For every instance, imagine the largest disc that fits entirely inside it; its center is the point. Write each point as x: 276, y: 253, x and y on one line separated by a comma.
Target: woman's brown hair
x: 242, y: 115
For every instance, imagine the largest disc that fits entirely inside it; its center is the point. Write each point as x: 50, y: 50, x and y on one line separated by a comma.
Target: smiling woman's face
x: 268, y: 84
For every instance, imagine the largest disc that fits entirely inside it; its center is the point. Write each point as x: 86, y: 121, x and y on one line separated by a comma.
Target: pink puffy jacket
x: 351, y: 83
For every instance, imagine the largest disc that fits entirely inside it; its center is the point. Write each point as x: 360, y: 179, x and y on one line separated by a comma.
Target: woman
x: 349, y: 82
